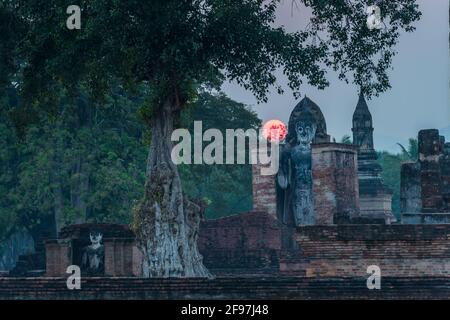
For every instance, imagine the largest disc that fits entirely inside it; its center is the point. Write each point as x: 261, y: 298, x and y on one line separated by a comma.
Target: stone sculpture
x: 93, y: 261
x: 295, y: 197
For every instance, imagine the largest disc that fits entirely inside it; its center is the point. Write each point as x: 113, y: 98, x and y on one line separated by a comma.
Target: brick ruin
x: 335, y: 183
x: 425, y: 183
x: 121, y: 258
x: 225, y: 288
x: 253, y: 244
x: 354, y: 226
x: 258, y: 255
x: 334, y: 174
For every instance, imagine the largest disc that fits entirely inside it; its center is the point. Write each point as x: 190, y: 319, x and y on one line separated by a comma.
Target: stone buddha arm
x: 84, y: 258
x: 283, y: 176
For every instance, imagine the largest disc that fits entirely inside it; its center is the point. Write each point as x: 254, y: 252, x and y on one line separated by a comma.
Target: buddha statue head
x: 306, y: 119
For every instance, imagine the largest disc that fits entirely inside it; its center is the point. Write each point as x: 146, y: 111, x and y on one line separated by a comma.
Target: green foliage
x: 88, y: 163
x: 357, y: 53
x: 8, y: 173
x: 391, y: 164
x: 412, y: 152
x: 346, y: 139
x: 173, y: 45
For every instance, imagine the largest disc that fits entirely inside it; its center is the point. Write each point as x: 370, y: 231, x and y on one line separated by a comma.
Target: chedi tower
x: 374, y: 196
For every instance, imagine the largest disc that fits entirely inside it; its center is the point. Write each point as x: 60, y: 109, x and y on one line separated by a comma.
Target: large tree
x: 173, y: 47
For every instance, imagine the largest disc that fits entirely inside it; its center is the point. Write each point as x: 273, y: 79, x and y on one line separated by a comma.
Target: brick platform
x: 255, y: 243
x: 247, y: 243
x: 225, y: 288
x: 335, y: 188
x: 347, y: 251
x: 425, y: 183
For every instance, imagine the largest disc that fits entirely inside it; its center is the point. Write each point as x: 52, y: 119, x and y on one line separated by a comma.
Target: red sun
x: 274, y: 130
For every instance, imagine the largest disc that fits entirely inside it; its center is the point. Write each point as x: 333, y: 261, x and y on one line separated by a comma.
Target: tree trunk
x: 57, y: 182
x: 58, y: 211
x: 166, y: 222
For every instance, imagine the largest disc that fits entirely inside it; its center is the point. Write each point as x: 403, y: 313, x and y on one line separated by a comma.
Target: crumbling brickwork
x: 58, y: 256
x: 239, y: 288
x: 410, y: 188
x: 425, y: 184
x: 335, y: 183
x: 264, y: 191
x: 252, y: 243
x: 244, y: 243
x: 347, y: 251
x: 246, y: 253
x: 122, y: 257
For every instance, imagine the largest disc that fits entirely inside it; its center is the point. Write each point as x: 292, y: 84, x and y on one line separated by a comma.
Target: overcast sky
x: 420, y: 94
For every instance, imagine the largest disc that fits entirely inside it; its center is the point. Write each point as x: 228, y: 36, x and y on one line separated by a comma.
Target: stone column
x: 335, y: 183
x: 119, y: 257
x: 410, y: 188
x: 58, y: 258
x: 263, y: 189
x: 445, y: 174
x: 430, y: 149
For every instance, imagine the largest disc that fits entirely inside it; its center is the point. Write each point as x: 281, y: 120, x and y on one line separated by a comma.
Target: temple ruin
x: 425, y: 183
x: 315, y: 228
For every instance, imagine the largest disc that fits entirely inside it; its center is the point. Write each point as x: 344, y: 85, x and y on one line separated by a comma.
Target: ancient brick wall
x: 347, y: 251
x: 122, y: 257
x: 264, y: 191
x: 247, y: 255
x: 241, y: 243
x: 410, y: 188
x: 425, y: 184
x: 255, y: 243
x: 335, y: 183
x: 430, y: 151
x: 225, y: 288
x: 58, y: 257
x: 445, y: 175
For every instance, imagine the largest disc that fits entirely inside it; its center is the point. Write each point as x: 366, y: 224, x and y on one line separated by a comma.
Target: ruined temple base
x: 255, y: 243
x: 426, y: 218
x: 237, y: 288
x: 254, y: 256
x: 376, y: 208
